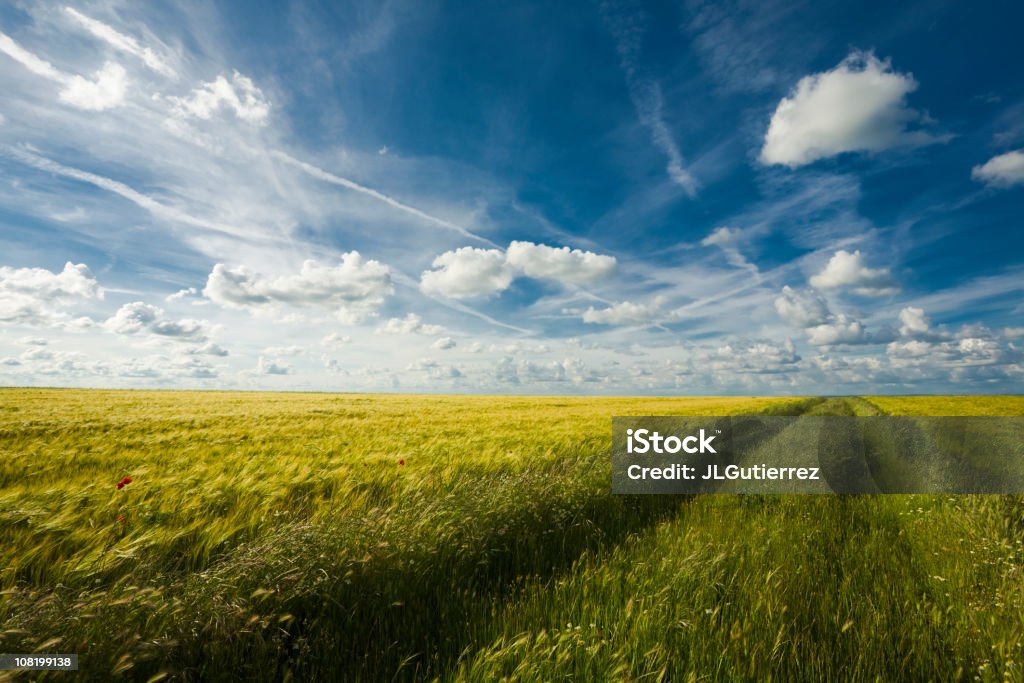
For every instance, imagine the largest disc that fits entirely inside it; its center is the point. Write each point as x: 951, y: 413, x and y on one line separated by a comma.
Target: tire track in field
x: 828, y: 561
x: 609, y: 520
x: 832, y: 559
x: 378, y: 641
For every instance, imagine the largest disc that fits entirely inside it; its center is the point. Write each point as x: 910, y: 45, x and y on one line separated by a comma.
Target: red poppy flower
x: 120, y: 519
x: 401, y: 461
x: 124, y: 482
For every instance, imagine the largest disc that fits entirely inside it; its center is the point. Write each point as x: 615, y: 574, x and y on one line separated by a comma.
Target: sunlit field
x: 345, y: 537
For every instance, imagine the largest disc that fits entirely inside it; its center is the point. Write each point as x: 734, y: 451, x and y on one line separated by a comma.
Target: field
x: 353, y: 537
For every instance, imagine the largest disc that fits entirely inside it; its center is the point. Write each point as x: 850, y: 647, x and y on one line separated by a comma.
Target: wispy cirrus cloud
x: 122, y: 42
x: 105, y: 90
x: 625, y: 21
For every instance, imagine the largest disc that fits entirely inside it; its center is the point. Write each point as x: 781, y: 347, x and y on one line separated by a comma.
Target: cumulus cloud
x: 353, y: 290
x: 434, y: 369
x: 106, y: 90
x: 33, y: 296
x: 802, y: 309
x: 292, y: 350
x: 1004, y: 170
x: 208, y: 349
x: 751, y: 357
x: 561, y: 264
x: 512, y: 348
x: 839, y: 330
x: 468, y: 272
x: 913, y: 322
x: 410, y: 324
x: 265, y: 367
x: 626, y: 313
x: 335, y: 340
x: 238, y: 95
x: 471, y: 272
x: 809, y: 311
x: 573, y: 370
x: 908, y: 349
x: 181, y: 294
x: 141, y: 318
x: 848, y: 270
x: 443, y: 344
x: 860, y: 105
x: 957, y: 355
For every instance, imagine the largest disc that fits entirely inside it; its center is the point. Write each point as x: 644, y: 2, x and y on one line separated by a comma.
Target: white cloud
x: 840, y: 330
x: 334, y: 179
x: 858, y: 106
x: 727, y: 239
x: 434, y: 370
x: 33, y: 341
x: 627, y: 29
x: 158, y: 209
x: 512, y: 348
x: 569, y: 370
x: 471, y: 272
x: 265, y: 367
x: 561, y: 264
x: 626, y: 313
x: 468, y: 272
x: 121, y: 42
x: 960, y: 355
x: 37, y: 65
x: 181, y: 294
x: 809, y: 311
x: 443, y: 344
x: 107, y: 90
x: 239, y: 95
x: 335, y: 340
x: 749, y: 358
x: 850, y: 271
x: 913, y: 322
x: 141, y: 318
x: 1004, y: 170
x: 721, y: 237
x: 32, y: 296
x: 410, y: 324
x: 74, y: 282
x: 38, y: 353
x: 353, y: 290
x: 208, y: 349
x: 908, y: 349
x: 802, y: 309
x: 292, y: 350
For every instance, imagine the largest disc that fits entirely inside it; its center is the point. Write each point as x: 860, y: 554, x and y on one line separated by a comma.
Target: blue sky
x: 617, y: 197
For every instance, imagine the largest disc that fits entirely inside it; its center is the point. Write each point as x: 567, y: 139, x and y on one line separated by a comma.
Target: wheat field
x: 265, y: 536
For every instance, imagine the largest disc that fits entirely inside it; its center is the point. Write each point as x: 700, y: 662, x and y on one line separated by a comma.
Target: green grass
x: 341, y: 537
